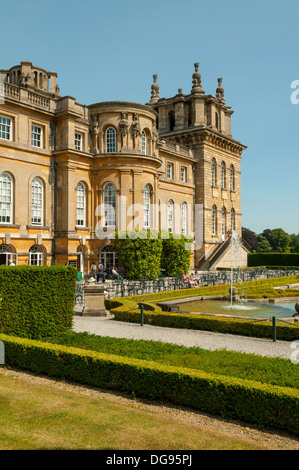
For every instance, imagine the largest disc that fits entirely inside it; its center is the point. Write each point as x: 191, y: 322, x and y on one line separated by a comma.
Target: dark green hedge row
x: 273, y: 259
x: 217, y: 324
x: 36, y: 301
x: 261, y: 404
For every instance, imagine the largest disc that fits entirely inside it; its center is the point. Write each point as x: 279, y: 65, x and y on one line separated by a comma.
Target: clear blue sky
x: 109, y: 51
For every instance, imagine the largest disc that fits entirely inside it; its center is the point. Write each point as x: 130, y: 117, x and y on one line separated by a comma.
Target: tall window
x: 214, y: 220
x: 5, y: 128
x: 110, y: 140
x: 36, y: 256
x: 169, y: 171
x: 213, y: 172
x: 217, y: 121
x: 109, y: 199
x: 183, y: 174
x: 184, y: 218
x: 146, y: 206
x: 170, y: 216
x: 81, y: 205
x: 37, y: 209
x: 223, y: 222
x: 223, y: 175
x: 232, y: 178
x: 6, y: 198
x: 78, y: 141
x: 143, y: 143
x: 36, y: 136
x: 232, y: 219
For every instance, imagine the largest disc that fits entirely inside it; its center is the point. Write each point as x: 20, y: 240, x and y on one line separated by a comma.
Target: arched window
x: 232, y: 219
x: 223, y: 175
x: 146, y: 206
x: 184, y: 218
x: 37, y: 202
x: 110, y: 140
x: 214, y: 175
x: 232, y: 178
x: 170, y: 216
x: 143, y: 143
x: 214, y: 220
x: 36, y: 256
x: 109, y: 199
x: 6, y: 198
x: 108, y: 258
x: 223, y: 222
x: 81, y: 205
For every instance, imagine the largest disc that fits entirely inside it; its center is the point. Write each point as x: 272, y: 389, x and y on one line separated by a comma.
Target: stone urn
x: 94, y: 305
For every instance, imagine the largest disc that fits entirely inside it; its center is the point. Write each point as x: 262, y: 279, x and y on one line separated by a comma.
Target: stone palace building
x: 72, y: 173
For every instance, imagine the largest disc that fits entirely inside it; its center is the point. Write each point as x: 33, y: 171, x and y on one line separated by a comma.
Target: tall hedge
x: 176, y: 251
x: 36, y: 301
x: 139, y: 253
x: 273, y: 259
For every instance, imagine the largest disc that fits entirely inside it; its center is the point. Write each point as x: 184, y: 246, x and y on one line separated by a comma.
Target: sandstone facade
x: 72, y: 173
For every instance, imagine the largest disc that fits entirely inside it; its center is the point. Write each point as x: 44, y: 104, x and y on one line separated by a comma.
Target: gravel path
x: 106, y: 326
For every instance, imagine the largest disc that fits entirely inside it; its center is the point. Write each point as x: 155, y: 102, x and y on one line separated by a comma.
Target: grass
x: 275, y: 371
x: 38, y: 416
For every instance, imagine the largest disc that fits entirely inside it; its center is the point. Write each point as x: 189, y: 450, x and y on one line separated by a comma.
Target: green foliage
x: 278, y: 239
x: 229, y: 397
x: 36, y: 300
x: 176, y: 253
x: 264, y: 245
x: 273, y: 259
x: 143, y: 254
x: 275, y: 371
x: 139, y: 253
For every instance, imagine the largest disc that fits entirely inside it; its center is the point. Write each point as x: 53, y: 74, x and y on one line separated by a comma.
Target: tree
x: 250, y: 238
x: 294, y: 243
x: 278, y: 239
x: 264, y: 245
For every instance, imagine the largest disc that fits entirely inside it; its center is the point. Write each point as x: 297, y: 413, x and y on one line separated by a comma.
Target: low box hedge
x: 216, y: 324
x: 261, y: 404
x: 273, y: 259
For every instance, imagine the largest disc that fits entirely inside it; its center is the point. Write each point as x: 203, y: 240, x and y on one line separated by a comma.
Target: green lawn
x: 41, y: 416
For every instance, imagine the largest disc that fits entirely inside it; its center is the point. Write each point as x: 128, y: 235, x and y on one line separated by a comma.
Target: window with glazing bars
x: 109, y: 198
x: 5, y: 128
x: 146, y: 206
x: 80, y: 205
x: 6, y: 201
x: 36, y: 136
x: 110, y: 140
x: 78, y: 141
x: 37, y: 202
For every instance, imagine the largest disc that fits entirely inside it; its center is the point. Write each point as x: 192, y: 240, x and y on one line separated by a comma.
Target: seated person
x: 114, y: 272
x: 101, y: 274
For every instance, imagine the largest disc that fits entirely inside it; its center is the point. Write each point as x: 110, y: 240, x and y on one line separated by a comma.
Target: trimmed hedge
x: 273, y: 259
x: 217, y: 324
x: 37, y: 301
x: 261, y: 404
x: 127, y: 309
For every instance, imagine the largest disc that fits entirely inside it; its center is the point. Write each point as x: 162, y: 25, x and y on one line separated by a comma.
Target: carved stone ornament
x: 136, y: 125
x: 95, y: 133
x: 124, y: 125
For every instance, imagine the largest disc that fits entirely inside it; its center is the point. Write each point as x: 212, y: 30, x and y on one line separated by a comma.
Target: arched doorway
x: 108, y: 257
x: 7, y: 255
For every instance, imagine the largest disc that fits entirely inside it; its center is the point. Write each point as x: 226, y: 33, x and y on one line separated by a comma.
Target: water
x: 240, y: 309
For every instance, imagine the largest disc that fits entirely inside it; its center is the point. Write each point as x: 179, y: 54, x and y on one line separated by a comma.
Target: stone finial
x: 220, y: 91
x: 155, y: 91
x: 196, y: 79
